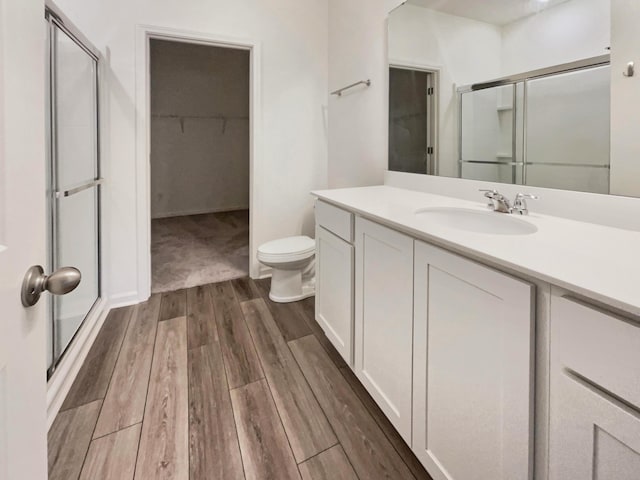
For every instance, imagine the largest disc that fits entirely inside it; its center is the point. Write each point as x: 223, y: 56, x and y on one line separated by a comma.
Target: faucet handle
x: 520, y: 204
x: 520, y: 198
x: 527, y: 195
x: 498, y: 202
x: 489, y: 193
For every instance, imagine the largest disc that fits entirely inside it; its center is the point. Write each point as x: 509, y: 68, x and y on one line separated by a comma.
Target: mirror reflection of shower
x: 521, y: 91
x: 548, y: 129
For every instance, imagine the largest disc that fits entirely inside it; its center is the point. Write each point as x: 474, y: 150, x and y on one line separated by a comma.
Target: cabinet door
x: 473, y: 369
x: 384, y: 320
x: 595, y: 393
x: 334, y: 291
x: 597, y: 345
x: 594, y: 436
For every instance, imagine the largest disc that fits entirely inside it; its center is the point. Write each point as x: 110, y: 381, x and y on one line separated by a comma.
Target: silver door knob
x: 60, y: 282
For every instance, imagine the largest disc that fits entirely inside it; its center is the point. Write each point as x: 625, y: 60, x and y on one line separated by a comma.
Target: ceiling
x: 498, y: 12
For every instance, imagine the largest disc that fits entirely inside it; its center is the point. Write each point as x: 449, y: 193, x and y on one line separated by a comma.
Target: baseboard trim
x: 60, y: 383
x: 264, y: 272
x: 125, y: 299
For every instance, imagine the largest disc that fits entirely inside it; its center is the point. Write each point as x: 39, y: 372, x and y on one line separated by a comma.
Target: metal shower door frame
x: 57, y: 22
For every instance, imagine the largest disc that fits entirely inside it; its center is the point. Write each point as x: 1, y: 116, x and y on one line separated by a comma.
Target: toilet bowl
x: 292, y: 261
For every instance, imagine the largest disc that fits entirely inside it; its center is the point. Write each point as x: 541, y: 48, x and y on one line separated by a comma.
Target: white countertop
x: 599, y: 262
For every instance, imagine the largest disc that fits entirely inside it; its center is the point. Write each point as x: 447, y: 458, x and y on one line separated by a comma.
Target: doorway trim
x: 144, y: 34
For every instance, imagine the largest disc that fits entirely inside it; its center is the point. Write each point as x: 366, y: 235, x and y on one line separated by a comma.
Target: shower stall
x: 546, y: 128
x: 73, y: 190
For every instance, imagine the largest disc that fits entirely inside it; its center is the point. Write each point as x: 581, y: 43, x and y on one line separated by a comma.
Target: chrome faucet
x: 520, y: 204
x: 500, y: 203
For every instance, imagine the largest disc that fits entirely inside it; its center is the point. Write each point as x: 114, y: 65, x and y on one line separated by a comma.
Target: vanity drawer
x: 335, y: 220
x: 599, y: 346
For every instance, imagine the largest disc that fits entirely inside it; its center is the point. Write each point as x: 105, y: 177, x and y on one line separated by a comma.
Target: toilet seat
x: 285, y: 250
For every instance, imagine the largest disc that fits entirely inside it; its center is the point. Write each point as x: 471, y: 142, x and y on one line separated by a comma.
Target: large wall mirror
x: 509, y: 91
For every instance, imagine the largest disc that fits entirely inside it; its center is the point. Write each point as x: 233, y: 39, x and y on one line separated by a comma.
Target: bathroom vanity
x: 499, y: 346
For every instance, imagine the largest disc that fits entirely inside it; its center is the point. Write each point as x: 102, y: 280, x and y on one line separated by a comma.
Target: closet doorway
x: 199, y: 99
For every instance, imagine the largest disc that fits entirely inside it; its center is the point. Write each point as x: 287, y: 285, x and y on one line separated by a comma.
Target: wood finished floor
x: 218, y: 382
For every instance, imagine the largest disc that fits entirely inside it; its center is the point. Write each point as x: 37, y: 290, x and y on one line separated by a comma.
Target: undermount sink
x: 477, y: 221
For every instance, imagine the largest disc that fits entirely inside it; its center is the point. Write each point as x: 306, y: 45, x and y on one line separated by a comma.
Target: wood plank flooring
x: 164, y: 441
x: 124, y: 403
x: 214, y: 450
x: 286, y: 315
x: 331, y: 464
x: 307, y: 428
x: 174, y: 304
x: 113, y: 456
x: 263, y: 443
x: 369, y: 450
x: 94, y: 376
x: 218, y: 382
x: 240, y: 358
x: 201, y: 325
x: 66, y: 457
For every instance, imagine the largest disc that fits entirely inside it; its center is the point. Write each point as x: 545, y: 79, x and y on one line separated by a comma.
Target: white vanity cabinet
x: 486, y: 375
x: 334, y: 276
x: 473, y: 369
x: 595, y: 393
x: 384, y: 320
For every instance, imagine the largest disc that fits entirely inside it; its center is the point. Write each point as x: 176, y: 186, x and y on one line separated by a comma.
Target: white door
x: 473, y: 369
x: 384, y: 320
x: 23, y: 432
x: 334, y: 291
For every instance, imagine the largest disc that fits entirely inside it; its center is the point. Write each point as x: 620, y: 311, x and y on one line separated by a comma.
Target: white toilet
x: 292, y: 261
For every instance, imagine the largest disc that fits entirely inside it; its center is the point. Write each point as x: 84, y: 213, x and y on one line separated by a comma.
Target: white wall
x: 358, y: 121
x: 570, y: 31
x: 292, y: 155
x: 465, y: 51
x: 199, y: 128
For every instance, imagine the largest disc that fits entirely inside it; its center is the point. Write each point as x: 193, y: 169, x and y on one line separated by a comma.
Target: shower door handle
x: 60, y: 282
x: 81, y: 188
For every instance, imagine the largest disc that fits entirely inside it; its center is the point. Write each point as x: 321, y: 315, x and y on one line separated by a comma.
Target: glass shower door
x: 75, y: 181
x: 567, y: 130
x: 489, y: 125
